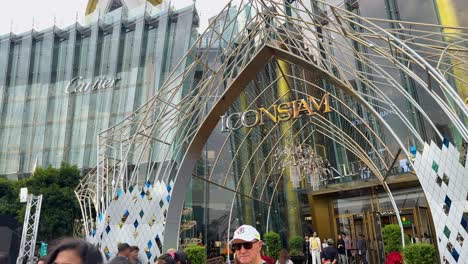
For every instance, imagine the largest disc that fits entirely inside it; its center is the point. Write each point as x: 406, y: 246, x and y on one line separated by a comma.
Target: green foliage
x: 9, y: 198
x: 59, y: 204
x: 419, y: 254
x: 296, y: 246
x: 273, y: 243
x: 392, y: 238
x: 196, y: 254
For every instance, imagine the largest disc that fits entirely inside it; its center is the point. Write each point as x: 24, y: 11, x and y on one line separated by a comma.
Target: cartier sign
x: 79, y: 85
x: 275, y: 113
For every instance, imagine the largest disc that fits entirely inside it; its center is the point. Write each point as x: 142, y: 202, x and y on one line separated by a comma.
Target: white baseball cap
x: 246, y: 233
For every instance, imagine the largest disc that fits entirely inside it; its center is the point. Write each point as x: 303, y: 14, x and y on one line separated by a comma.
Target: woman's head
x: 314, y: 234
x: 75, y: 251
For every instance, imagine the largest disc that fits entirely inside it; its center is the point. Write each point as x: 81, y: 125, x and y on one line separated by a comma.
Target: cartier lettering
x: 79, y: 85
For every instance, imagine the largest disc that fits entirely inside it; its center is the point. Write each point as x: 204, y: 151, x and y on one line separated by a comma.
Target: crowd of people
x: 78, y: 251
x: 248, y: 249
x: 246, y: 243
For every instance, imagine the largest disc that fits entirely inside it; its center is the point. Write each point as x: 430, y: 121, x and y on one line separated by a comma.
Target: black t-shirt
x: 330, y: 253
x: 341, y: 246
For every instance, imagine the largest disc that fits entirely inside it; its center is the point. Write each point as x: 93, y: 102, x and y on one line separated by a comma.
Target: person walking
x: 362, y: 248
x: 341, y: 249
x: 329, y: 254
x: 306, y: 250
x: 315, y: 248
x: 247, y: 244
x: 348, y: 247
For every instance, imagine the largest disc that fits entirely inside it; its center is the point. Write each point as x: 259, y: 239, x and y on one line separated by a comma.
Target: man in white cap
x: 247, y: 244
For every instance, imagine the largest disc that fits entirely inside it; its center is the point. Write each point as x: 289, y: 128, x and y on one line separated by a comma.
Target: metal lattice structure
x: 320, y: 48
x: 30, y: 227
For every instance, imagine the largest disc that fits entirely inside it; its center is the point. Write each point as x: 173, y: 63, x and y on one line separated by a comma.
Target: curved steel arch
x: 194, y: 150
x: 178, y: 123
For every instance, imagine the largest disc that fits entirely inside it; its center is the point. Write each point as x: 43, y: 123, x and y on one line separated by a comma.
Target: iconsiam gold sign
x: 276, y: 113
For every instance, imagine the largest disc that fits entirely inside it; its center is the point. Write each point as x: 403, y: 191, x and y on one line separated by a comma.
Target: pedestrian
x: 362, y: 248
x: 133, y: 256
x: 348, y: 247
x: 315, y: 248
x: 123, y: 254
x: 329, y: 254
x: 324, y: 244
x: 75, y: 251
x: 284, y: 257
x: 182, y: 258
x: 247, y: 244
x: 165, y: 259
x: 306, y: 250
x: 341, y: 249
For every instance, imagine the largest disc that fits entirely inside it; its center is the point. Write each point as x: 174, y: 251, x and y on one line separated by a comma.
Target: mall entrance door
x: 366, y: 224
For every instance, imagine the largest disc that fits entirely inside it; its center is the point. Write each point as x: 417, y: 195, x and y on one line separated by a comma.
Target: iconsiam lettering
x: 275, y: 113
x: 78, y: 85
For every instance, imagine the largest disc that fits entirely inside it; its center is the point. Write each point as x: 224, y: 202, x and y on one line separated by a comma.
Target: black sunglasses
x: 246, y: 245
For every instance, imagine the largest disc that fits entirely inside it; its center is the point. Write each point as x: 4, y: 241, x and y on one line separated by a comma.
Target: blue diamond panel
x: 455, y: 254
x: 448, y: 201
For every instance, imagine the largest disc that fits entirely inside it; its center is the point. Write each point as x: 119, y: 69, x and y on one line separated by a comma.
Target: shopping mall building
x: 292, y: 116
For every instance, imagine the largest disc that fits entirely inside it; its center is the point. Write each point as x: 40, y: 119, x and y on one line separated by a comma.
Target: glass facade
x: 60, y: 87
x: 239, y: 181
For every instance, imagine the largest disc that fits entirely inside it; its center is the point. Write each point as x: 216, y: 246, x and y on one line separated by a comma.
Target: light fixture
x: 302, y: 161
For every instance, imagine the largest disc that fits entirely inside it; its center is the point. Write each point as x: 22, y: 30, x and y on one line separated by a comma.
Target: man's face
x: 247, y: 252
x: 133, y: 255
x: 126, y: 252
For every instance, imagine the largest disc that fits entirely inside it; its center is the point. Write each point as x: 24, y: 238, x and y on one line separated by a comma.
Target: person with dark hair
x: 123, y: 254
x: 165, y: 259
x: 284, y: 257
x: 133, y: 256
x: 341, y: 247
x: 362, y: 248
x: 181, y: 258
x: 329, y: 254
x: 75, y: 251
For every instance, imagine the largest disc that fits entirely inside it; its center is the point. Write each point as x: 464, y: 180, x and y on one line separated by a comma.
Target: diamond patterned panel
x: 445, y: 183
x: 137, y: 218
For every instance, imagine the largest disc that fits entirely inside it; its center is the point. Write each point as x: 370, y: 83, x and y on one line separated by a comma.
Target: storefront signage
x: 79, y: 85
x: 275, y: 113
x: 382, y: 114
x: 389, y: 212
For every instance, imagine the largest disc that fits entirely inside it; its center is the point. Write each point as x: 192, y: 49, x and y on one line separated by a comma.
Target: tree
x: 9, y: 198
x: 392, y: 238
x: 59, y: 204
x: 273, y: 242
x: 419, y: 254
